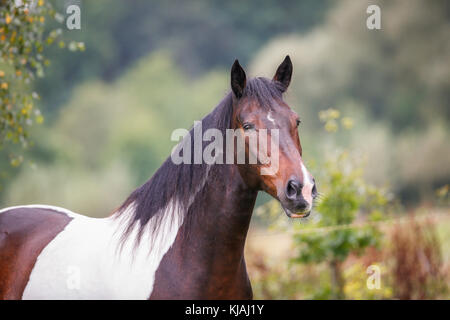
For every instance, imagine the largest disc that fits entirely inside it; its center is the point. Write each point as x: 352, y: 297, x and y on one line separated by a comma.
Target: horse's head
x: 258, y: 111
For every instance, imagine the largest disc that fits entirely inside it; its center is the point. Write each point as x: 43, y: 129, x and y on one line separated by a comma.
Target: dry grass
x: 415, y: 254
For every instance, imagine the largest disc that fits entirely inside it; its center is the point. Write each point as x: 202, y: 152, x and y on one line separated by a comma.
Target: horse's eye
x: 248, y: 126
x: 298, y: 121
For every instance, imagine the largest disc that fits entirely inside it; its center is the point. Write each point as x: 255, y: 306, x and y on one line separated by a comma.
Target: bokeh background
x: 374, y: 104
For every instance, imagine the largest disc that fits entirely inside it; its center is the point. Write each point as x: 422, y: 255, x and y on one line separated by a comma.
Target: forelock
x: 264, y: 90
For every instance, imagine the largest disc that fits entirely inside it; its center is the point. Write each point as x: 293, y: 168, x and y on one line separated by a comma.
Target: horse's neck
x: 209, y: 249
x: 227, y: 205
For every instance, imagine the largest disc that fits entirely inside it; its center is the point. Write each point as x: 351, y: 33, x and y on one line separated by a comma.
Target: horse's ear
x: 238, y: 79
x: 284, y: 72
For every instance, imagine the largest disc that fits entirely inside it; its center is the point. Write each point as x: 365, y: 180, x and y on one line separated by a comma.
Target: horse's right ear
x: 238, y: 79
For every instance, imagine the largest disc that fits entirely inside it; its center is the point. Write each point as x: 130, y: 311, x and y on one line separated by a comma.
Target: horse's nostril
x: 314, y: 191
x: 293, y: 189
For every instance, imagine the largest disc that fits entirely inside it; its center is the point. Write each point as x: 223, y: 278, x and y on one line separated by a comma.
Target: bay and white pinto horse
x: 181, y: 235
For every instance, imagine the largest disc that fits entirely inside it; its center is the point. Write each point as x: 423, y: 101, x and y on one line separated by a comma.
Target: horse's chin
x: 296, y: 215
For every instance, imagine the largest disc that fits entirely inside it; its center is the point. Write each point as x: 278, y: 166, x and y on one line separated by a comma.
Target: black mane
x: 172, y: 182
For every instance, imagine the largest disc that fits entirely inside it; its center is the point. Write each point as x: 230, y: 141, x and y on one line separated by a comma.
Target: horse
x: 180, y: 235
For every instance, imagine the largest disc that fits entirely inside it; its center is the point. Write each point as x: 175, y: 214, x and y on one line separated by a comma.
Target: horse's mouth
x: 296, y: 215
x: 299, y: 215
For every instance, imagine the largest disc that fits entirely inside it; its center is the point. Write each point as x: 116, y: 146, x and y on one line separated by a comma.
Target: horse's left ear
x: 284, y: 72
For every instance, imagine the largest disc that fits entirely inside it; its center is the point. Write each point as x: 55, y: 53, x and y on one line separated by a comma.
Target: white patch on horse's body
x: 269, y: 117
x: 86, y: 259
x: 308, y: 185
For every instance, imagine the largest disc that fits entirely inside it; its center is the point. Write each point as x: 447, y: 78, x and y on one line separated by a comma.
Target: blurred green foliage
x: 201, y: 35
x: 345, y: 199
x: 121, y: 129
x: 346, y: 234
x: 393, y: 82
x: 151, y: 67
x: 22, y: 60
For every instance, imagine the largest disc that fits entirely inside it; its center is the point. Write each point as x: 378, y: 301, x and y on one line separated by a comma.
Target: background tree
x: 22, y: 40
x: 345, y: 198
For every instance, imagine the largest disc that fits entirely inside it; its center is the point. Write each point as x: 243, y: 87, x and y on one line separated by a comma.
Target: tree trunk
x: 337, y: 279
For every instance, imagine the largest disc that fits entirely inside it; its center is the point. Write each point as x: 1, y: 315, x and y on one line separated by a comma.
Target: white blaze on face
x: 269, y: 117
x: 308, y: 185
